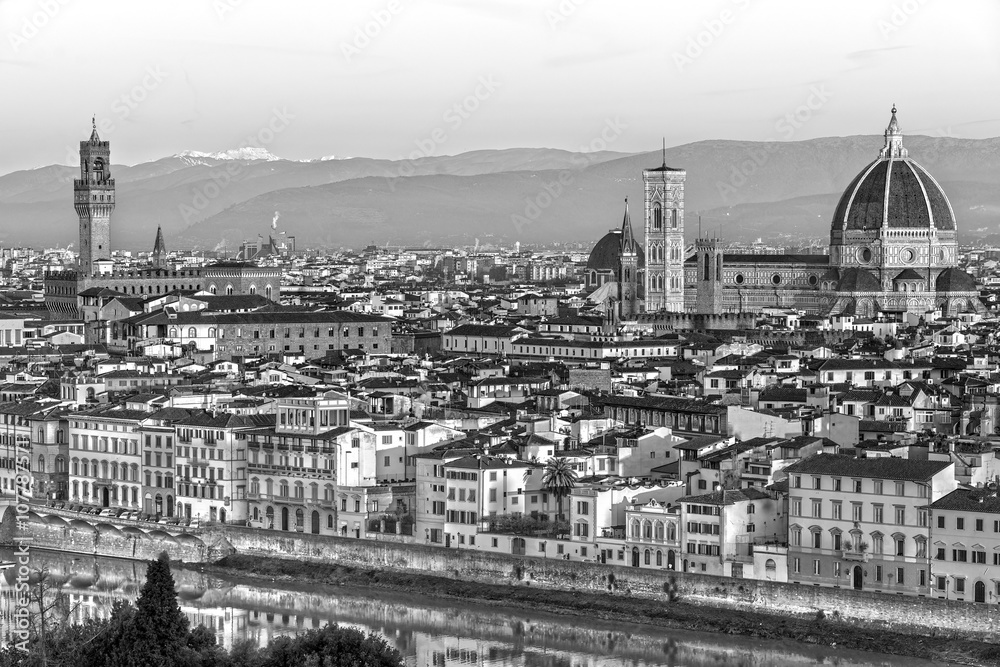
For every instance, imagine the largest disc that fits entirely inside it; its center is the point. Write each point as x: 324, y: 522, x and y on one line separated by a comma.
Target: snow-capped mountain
x: 246, y: 153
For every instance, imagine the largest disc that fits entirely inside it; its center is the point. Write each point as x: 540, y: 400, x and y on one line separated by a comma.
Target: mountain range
x: 780, y: 191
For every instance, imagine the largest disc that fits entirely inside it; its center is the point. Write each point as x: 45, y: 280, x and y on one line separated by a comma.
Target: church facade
x: 893, y: 251
x: 94, y: 201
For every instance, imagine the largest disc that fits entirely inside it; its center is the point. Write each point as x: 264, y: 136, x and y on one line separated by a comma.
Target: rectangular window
x: 816, y: 567
x: 877, y: 513
x: 878, y: 573
x: 838, y: 510
x: 960, y: 523
x: 900, y: 488
x: 979, y: 525
x: 796, y: 566
x: 960, y: 585
x: 942, y: 583
x: 900, y: 515
x: 940, y: 521
x: 856, y: 511
x: 900, y: 572
x: 878, y: 487
x: 817, y: 508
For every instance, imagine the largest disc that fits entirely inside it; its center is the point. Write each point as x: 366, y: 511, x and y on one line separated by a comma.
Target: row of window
x: 857, y: 512
x: 878, y: 486
x: 839, y: 542
x: 898, y: 577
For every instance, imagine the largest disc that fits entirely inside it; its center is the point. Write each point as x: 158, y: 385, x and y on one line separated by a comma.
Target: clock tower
x: 94, y: 200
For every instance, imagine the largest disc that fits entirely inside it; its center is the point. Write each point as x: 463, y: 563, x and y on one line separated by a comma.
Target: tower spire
x: 159, y: 250
x: 893, y: 147
x: 628, y: 241
x: 664, y: 152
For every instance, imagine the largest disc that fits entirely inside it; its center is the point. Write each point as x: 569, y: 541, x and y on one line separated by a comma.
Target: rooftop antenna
x: 664, y: 152
x: 699, y: 225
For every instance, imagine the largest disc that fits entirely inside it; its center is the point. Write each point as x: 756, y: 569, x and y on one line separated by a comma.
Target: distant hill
x: 741, y: 189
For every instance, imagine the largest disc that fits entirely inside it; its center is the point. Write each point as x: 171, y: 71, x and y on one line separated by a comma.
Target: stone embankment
x: 105, y: 537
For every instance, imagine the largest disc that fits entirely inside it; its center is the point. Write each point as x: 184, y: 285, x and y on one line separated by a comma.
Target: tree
x: 331, y: 646
x: 160, y: 628
x: 559, y: 479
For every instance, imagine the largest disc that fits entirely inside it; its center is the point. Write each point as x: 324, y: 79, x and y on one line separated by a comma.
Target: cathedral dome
x: 955, y: 280
x: 606, y: 255
x: 895, y: 192
x: 856, y: 279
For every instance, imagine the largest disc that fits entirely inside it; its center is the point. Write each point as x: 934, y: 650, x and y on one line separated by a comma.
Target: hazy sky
x: 388, y: 79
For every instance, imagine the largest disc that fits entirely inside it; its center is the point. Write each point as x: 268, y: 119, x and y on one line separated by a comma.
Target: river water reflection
x: 427, y: 632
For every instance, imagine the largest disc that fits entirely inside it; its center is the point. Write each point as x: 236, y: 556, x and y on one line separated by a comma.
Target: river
x: 427, y: 632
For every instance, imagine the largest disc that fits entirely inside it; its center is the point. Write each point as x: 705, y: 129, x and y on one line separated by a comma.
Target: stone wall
x: 860, y: 607
x: 863, y: 608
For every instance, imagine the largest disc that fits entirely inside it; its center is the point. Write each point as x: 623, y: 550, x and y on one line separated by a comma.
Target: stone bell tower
x: 664, y: 237
x: 94, y: 200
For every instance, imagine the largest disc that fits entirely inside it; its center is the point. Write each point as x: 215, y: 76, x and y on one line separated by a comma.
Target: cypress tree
x: 160, y: 627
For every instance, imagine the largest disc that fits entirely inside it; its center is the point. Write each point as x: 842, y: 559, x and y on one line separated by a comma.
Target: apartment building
x: 291, y: 466
x: 965, y: 545
x: 719, y: 530
x: 105, y: 457
x: 212, y: 465
x: 863, y: 523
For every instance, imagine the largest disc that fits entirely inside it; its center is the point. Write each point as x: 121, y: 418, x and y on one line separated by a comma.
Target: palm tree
x: 558, y: 478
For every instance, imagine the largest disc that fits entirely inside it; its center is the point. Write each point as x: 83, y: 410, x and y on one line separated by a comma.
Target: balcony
x: 854, y: 555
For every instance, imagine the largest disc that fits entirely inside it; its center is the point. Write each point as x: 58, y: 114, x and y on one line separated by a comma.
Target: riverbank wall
x: 866, y: 609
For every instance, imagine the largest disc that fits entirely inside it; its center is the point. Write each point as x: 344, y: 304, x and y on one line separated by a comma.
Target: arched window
x: 211, y: 332
x: 229, y: 290
x: 647, y: 530
x: 41, y: 463
x: 268, y: 292
x: 707, y: 268
x: 658, y: 531
x: 213, y: 289
x: 635, y: 529
x: 253, y: 289
x: 657, y: 217
x: 283, y: 489
x: 646, y: 557
x: 659, y: 558
x: 172, y: 332
x: 192, y: 332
